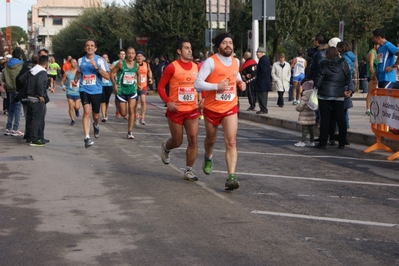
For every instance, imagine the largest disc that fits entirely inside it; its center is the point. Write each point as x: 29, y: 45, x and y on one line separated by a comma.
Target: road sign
x: 141, y: 40
x: 341, y: 30
x: 258, y: 9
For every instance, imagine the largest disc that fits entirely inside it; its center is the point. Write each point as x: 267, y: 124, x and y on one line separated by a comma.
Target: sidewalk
x: 360, y: 128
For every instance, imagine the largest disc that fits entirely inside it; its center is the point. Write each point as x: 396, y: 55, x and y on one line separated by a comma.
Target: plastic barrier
x: 380, y: 129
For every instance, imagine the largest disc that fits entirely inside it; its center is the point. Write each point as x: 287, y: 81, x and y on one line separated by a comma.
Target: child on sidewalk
x: 307, y: 116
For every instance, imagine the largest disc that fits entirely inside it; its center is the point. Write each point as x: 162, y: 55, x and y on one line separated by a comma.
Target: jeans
x: 14, y: 112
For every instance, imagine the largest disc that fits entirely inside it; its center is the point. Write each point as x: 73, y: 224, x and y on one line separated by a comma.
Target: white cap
x: 333, y: 42
x: 8, y: 56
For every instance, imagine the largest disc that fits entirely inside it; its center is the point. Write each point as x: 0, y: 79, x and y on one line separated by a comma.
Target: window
x: 57, y: 21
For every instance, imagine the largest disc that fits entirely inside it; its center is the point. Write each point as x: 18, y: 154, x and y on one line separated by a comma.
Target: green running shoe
x: 207, y: 165
x: 231, y: 183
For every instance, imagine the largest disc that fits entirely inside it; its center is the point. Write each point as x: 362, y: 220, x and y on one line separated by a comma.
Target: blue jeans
x: 14, y: 112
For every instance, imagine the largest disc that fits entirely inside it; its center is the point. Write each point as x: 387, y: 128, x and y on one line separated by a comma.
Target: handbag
x: 313, y: 102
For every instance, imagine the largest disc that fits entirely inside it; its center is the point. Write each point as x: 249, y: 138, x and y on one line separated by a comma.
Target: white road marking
x: 314, y: 179
x: 329, y: 219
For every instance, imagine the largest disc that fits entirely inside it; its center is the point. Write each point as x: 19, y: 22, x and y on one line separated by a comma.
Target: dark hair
x: 43, y: 59
x: 343, y: 47
x: 17, y: 52
x: 379, y: 33
x: 179, y: 44
x: 319, y: 38
x: 91, y: 40
x: 332, y: 53
x: 196, y: 54
x: 300, y: 53
x: 43, y: 50
x: 121, y: 50
x: 35, y: 59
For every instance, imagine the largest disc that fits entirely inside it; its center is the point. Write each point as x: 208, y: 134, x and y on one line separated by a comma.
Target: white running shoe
x: 310, y: 144
x: 300, y: 144
x: 189, y: 175
x: 130, y: 135
x: 17, y: 133
x: 165, y: 155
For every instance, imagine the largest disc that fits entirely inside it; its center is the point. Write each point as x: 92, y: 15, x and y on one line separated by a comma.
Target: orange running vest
x: 222, y: 101
x: 143, y: 71
x: 181, y: 87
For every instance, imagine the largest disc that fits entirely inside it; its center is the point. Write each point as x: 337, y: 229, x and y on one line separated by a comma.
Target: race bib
x: 143, y: 78
x: 186, y: 94
x: 128, y: 78
x: 89, y: 80
x: 72, y: 84
x: 379, y: 56
x: 226, y: 95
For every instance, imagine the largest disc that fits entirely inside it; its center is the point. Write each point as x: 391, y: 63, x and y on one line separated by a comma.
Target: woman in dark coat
x: 331, y: 80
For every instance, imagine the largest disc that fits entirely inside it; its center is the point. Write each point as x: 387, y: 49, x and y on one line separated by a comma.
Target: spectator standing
x: 320, y: 54
x: 156, y: 72
x: 281, y: 73
x: 362, y: 68
x: 331, y: 80
x: 306, y: 116
x: 248, y: 74
x: 263, y: 81
x: 36, y: 92
x: 10, y: 72
x: 372, y: 64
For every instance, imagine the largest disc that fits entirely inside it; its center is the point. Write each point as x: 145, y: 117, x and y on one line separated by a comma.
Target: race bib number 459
x: 226, y: 95
x: 89, y: 80
x: 186, y: 94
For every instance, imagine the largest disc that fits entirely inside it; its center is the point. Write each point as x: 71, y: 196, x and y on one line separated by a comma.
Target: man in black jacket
x: 36, y: 92
x: 319, y: 55
x: 263, y: 81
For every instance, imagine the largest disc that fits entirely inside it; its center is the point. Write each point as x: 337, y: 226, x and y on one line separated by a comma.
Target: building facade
x: 48, y: 17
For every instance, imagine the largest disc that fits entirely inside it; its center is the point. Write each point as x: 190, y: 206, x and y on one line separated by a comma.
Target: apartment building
x: 48, y: 17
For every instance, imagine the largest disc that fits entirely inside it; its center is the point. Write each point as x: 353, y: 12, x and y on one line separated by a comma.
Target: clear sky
x: 19, y: 9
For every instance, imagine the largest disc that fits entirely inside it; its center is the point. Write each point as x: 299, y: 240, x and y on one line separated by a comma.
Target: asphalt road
x: 117, y: 204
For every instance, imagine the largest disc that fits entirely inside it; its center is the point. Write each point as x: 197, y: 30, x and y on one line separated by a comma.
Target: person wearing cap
x: 219, y: 76
x: 145, y: 79
x: 10, y: 72
x: 333, y: 42
x: 281, y: 74
x: 298, y: 66
x: 248, y: 74
x: 263, y: 81
x: 91, y: 69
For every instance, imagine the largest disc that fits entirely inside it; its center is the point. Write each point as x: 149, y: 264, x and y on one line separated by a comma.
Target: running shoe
x: 117, y: 114
x: 96, y: 130
x: 77, y: 113
x: 130, y: 135
x: 207, y: 165
x: 189, y: 175
x: 17, y: 133
x: 104, y: 119
x: 300, y: 144
x: 8, y: 132
x: 310, y: 144
x: 231, y: 183
x: 142, y: 122
x: 136, y: 122
x: 125, y: 117
x: 72, y: 123
x: 88, y: 142
x: 367, y: 112
x: 37, y: 143
x: 201, y: 117
x: 165, y: 155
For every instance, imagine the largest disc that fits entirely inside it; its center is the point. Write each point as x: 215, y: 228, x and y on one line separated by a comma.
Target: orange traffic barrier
x: 380, y: 129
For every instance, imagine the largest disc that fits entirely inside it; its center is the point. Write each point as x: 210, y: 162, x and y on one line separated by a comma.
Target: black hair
x: 43, y: 59
x: 379, y: 33
x: 43, y: 50
x: 320, y: 38
x: 179, y: 44
x: 17, y: 52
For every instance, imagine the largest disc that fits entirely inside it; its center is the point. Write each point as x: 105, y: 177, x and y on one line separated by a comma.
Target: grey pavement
x: 360, y: 128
